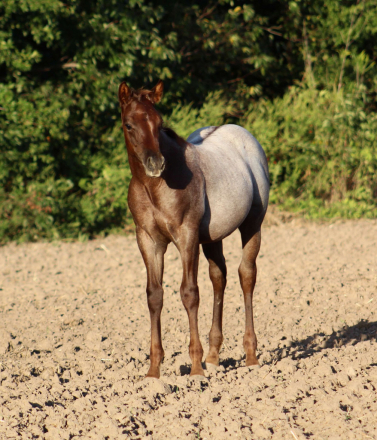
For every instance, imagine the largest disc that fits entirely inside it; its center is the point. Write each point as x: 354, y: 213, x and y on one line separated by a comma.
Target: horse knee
x: 247, y: 266
x: 247, y: 271
x: 155, y: 298
x: 190, y: 295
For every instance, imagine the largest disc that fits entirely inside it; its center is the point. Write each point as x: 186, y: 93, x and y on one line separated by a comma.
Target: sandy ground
x: 74, y: 342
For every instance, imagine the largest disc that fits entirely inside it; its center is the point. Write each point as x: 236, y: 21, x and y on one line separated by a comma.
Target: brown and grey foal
x: 190, y: 193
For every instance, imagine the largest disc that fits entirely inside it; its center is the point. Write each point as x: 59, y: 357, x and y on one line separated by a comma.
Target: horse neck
x: 171, y: 145
x: 178, y: 173
x: 137, y: 168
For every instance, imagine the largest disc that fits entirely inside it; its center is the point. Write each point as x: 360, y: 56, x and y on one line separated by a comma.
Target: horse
x: 193, y: 192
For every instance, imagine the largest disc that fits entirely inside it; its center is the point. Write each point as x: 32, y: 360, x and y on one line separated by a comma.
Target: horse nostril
x: 155, y: 165
x: 151, y: 163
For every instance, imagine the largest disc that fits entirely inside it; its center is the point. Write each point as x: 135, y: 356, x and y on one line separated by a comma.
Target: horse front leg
x: 189, y: 249
x: 153, y: 256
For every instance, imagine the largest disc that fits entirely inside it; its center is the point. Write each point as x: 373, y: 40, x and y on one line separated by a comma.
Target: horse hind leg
x: 251, y: 240
x: 217, y: 273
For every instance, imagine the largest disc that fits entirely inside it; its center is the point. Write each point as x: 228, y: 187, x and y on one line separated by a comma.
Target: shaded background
x: 301, y: 77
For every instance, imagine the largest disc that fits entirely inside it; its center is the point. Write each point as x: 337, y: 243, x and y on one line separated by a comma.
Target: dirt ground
x: 74, y: 341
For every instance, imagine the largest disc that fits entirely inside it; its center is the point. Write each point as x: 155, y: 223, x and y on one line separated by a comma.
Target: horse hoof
x: 253, y: 367
x: 197, y: 378
x: 153, y: 373
x: 212, y: 359
x: 197, y: 370
x: 211, y: 368
x: 252, y: 362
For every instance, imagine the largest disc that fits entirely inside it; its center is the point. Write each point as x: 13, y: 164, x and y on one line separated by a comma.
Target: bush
x: 63, y: 163
x: 321, y: 147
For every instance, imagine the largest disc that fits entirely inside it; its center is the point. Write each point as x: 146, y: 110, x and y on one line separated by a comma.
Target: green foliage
x: 63, y: 163
x: 338, y: 40
x: 215, y: 111
x: 322, y: 152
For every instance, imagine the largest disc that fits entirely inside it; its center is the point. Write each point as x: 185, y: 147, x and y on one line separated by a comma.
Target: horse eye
x: 128, y: 126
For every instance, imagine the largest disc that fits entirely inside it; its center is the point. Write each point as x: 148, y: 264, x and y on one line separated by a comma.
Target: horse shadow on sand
x: 364, y: 330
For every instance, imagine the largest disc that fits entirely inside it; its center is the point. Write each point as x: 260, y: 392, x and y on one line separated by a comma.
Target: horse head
x: 141, y: 126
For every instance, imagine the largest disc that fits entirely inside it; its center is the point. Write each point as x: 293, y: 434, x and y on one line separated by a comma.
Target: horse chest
x: 165, y: 224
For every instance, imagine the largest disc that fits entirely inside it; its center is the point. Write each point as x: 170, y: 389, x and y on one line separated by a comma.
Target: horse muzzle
x: 154, y: 166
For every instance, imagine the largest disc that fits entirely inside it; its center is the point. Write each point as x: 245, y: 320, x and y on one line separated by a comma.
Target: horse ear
x: 156, y: 92
x: 123, y: 92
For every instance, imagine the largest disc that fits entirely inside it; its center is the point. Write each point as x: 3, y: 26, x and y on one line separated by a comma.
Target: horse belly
x: 227, y: 206
x: 235, y: 170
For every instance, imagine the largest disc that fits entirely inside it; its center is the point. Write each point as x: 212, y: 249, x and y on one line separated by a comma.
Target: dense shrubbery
x: 299, y: 75
x: 322, y: 152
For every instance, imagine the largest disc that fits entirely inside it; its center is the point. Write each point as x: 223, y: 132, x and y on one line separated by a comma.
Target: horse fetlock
x: 249, y: 343
x: 196, y: 352
x: 250, y: 347
x: 154, y: 371
x: 156, y: 355
x: 215, y: 339
x: 251, y: 359
x: 213, y: 358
